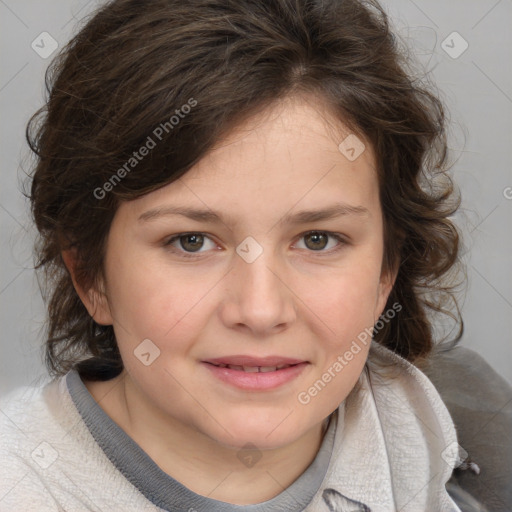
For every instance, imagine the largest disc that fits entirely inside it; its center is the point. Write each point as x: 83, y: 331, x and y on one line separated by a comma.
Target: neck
x: 198, y: 462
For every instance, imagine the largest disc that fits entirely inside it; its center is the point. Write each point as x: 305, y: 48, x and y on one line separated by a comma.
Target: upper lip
x: 241, y: 360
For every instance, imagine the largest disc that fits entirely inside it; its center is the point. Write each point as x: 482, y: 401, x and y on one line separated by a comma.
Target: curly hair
x: 133, y: 63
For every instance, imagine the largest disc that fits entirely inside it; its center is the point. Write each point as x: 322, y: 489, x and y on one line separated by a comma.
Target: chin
x: 241, y: 434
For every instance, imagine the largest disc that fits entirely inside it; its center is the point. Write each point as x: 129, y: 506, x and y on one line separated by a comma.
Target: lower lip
x: 256, y: 381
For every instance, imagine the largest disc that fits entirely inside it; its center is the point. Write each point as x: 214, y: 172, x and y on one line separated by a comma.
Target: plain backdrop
x: 465, y: 44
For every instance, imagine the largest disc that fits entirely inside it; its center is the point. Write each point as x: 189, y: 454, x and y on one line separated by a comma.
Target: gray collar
x: 166, y: 492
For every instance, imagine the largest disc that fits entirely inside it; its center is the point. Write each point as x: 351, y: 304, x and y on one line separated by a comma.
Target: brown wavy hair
x: 134, y: 63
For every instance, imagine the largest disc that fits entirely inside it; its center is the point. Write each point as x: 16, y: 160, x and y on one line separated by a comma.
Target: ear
x: 386, y: 283
x: 93, y: 299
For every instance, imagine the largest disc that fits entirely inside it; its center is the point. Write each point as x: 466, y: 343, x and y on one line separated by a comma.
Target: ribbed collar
x: 166, y: 492
x: 391, y: 445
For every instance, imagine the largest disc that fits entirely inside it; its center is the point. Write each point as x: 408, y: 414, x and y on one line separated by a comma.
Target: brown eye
x: 317, y: 240
x: 323, y: 242
x: 192, y: 242
x: 189, y: 244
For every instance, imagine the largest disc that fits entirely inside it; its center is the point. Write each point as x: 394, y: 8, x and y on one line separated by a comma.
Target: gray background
x: 476, y: 86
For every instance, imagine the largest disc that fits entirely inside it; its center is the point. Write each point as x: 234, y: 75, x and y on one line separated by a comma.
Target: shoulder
x: 29, y: 414
x: 462, y: 375
x: 24, y: 412
x: 480, y: 403
x: 20, y: 408
x: 478, y: 398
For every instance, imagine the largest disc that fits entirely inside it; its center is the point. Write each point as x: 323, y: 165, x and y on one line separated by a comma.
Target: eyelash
x: 337, y: 236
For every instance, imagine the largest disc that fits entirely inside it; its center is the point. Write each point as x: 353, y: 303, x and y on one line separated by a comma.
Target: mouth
x: 253, y: 364
x: 253, y: 369
x: 256, y: 373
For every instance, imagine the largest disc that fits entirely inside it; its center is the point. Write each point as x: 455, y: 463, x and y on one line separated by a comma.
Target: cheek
x: 344, y: 299
x: 345, y: 305
x: 342, y: 323
x: 150, y: 301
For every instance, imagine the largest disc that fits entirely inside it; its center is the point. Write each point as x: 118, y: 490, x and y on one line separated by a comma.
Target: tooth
x: 235, y: 367
x: 267, y: 369
x: 251, y: 369
x: 283, y: 366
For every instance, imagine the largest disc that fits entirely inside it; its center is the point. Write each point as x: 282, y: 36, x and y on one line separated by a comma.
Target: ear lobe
x: 94, y: 300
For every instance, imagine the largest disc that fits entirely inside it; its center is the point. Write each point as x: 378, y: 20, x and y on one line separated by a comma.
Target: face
x: 257, y: 280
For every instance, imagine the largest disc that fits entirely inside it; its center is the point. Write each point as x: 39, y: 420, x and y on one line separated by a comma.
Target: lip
x: 256, y: 381
x: 242, y: 360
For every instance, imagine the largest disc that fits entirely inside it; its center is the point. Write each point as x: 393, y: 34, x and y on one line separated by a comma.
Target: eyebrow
x: 301, y: 217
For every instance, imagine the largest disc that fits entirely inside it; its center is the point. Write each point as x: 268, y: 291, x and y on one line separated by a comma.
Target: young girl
x: 244, y: 219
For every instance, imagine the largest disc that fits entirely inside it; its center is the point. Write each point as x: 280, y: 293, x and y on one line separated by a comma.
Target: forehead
x: 285, y: 157
x: 292, y: 120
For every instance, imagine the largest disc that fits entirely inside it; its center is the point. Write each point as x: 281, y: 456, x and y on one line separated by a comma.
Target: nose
x: 258, y: 298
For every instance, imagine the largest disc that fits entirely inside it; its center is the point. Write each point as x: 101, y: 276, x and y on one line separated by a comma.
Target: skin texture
x: 292, y: 301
